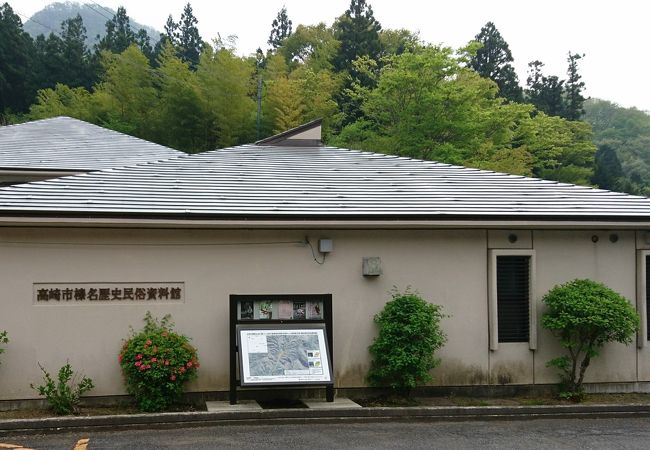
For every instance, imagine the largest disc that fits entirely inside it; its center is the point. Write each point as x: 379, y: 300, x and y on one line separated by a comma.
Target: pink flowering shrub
x: 156, y: 363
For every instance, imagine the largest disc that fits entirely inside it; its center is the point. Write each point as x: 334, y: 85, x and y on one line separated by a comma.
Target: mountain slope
x: 94, y: 17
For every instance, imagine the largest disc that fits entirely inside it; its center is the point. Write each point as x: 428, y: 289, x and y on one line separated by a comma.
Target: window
x: 643, y: 296
x: 512, y: 309
x: 513, y: 293
x: 647, y: 295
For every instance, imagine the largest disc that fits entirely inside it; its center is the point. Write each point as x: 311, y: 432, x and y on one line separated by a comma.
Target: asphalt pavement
x: 605, y: 433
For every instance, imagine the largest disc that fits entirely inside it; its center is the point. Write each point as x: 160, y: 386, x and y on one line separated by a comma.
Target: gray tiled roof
x: 293, y: 182
x: 64, y: 143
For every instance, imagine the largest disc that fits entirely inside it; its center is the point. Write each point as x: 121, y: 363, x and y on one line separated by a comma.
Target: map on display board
x: 281, y: 355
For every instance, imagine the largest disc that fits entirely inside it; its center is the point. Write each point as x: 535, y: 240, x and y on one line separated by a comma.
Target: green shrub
x: 3, y: 340
x: 585, y: 315
x: 64, y: 394
x: 403, y: 352
x: 156, y: 363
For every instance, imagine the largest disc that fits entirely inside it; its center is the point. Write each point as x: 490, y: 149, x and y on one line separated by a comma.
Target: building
x: 61, y: 146
x: 247, y: 220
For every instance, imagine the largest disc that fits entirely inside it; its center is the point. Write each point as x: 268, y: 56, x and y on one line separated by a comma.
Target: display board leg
x: 329, y: 393
x: 233, y: 395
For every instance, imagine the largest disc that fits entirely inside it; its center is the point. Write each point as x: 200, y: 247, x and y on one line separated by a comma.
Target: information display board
x: 283, y: 355
x: 281, y: 339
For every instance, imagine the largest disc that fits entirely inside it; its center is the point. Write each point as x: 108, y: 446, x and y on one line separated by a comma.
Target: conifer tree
x: 190, y: 43
x: 16, y: 92
x: 493, y: 60
x: 76, y: 70
x: 119, y: 34
x: 608, y: 173
x: 171, y: 30
x: 48, y: 63
x: 545, y: 92
x: 63, y: 58
x: 358, y: 31
x: 280, y: 29
x: 358, y: 55
x: 573, y: 89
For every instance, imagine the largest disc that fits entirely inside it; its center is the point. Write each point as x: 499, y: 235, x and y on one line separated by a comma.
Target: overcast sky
x: 612, y: 34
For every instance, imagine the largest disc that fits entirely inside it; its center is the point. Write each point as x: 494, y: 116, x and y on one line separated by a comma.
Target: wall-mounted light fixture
x: 613, y: 238
x: 594, y: 238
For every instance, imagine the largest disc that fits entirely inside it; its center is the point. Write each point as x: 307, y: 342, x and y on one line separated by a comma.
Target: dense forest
x: 378, y: 89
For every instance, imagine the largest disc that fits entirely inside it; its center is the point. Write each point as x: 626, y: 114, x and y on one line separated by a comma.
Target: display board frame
x: 317, y: 371
x: 309, y: 311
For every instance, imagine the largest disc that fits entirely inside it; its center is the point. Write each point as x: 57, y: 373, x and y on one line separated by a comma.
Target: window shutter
x: 513, y: 298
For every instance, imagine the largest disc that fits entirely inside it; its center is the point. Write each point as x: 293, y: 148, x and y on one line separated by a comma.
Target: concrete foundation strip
x: 270, y: 416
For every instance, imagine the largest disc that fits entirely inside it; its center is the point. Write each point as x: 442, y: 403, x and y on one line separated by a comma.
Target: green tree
x: 178, y: 116
x: 585, y: 315
x: 396, y: 42
x: 573, y: 88
x: 48, y: 63
x: 119, y: 35
x: 225, y: 84
x: 545, y: 92
x: 190, y: 43
x: 403, y: 352
x: 16, y: 91
x: 64, y: 58
x: 143, y: 41
x: 562, y: 150
x: 427, y: 106
x: 171, y: 30
x: 358, y: 32
x: 169, y: 37
x: 493, y: 60
x: 126, y: 96
x: 608, y: 173
x: 298, y: 96
x: 314, y: 45
x: 76, y: 58
x: 282, y: 103
x: 280, y: 29
x: 63, y: 101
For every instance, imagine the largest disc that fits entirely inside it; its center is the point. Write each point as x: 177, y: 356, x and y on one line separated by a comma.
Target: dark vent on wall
x: 647, y: 295
x: 513, y: 294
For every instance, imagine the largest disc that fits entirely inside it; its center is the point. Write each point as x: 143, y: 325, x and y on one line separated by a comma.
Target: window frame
x: 493, y: 321
x: 642, y: 298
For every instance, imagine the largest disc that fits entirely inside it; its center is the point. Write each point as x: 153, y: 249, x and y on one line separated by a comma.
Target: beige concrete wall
x: 437, y: 263
x: 565, y: 255
x: 448, y: 267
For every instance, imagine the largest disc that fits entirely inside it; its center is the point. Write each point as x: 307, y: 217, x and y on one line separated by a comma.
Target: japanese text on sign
x: 145, y: 292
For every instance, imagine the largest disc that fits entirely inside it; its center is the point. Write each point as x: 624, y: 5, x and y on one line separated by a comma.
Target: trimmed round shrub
x: 585, y: 315
x: 403, y: 352
x: 156, y: 362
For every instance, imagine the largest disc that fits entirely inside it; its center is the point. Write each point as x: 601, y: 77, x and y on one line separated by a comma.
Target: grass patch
x: 386, y: 400
x: 88, y: 411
